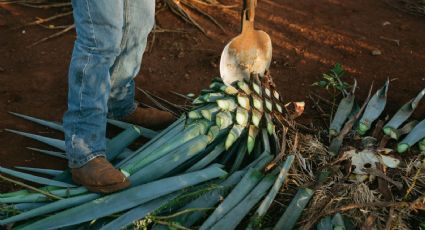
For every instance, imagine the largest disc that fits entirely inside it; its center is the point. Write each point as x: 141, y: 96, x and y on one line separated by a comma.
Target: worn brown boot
x: 98, y: 175
x: 150, y: 118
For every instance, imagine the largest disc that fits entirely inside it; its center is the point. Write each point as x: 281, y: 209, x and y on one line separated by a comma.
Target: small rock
x: 186, y: 76
x: 1, y: 69
x: 24, y: 32
x: 386, y: 23
x: 376, y: 52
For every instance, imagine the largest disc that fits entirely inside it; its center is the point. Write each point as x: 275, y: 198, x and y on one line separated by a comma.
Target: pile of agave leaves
x: 237, y: 159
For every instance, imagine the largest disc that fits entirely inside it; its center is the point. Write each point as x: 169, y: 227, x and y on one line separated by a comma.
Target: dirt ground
x: 308, y: 38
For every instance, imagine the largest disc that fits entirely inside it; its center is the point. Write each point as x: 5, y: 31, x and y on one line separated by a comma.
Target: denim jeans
x: 111, y: 39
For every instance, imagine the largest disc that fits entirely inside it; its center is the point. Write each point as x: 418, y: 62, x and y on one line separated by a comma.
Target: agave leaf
x: 219, y: 149
x: 294, y: 209
x: 417, y: 134
x: 50, y: 172
x: 124, y: 200
x: 344, y: 109
x: 338, y: 222
x: 240, y: 156
x: 47, y: 140
x: 247, y: 183
x: 403, y: 114
x: 149, y: 155
x: 197, y: 113
x: 208, y: 200
x: 144, y: 132
x: 165, y: 164
x: 235, y: 216
x: 325, y: 224
x: 23, y: 207
x: 49, y: 208
x: 172, y: 131
x: 39, y: 197
x: 117, y: 144
x: 265, y: 205
x: 50, y: 124
x: 48, y: 152
x: 234, y: 134
x: 373, y: 109
x: 137, y: 213
x: 35, y: 179
x: 210, y: 113
x: 212, y: 97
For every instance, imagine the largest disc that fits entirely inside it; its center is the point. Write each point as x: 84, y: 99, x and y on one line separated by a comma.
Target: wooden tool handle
x: 248, y: 15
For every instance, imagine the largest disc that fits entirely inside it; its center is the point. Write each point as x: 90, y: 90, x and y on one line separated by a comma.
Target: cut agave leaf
x: 256, y: 117
x: 224, y: 119
x: 294, y: 209
x: 252, y: 136
x: 344, y: 109
x: 242, y: 116
x: 244, y: 101
x: 247, y: 183
x: 417, y: 134
x: 234, y: 134
x: 235, y: 216
x: 374, y: 108
x: 124, y: 200
x: 208, y: 200
x: 403, y: 114
x: 227, y: 104
x: 265, y: 205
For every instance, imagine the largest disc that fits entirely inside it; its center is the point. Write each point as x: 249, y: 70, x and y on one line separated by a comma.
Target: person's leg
x: 99, y: 33
x: 140, y: 18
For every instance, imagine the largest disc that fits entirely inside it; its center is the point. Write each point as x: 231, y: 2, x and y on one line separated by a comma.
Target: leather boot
x: 99, y: 176
x: 150, y: 118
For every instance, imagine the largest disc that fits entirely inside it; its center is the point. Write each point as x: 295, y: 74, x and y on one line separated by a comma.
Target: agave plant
x: 235, y: 128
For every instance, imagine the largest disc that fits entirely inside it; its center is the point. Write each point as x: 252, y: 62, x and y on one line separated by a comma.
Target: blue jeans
x: 111, y: 39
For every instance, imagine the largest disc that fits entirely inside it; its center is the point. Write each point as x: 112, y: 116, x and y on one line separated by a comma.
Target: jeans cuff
x: 81, y: 162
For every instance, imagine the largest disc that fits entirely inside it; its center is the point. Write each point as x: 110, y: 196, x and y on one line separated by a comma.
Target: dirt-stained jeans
x: 111, y: 39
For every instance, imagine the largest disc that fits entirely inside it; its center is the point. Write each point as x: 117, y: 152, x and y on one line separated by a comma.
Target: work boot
x: 150, y: 118
x: 99, y: 176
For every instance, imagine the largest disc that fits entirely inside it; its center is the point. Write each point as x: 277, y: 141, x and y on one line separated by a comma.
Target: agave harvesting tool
x: 248, y: 53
